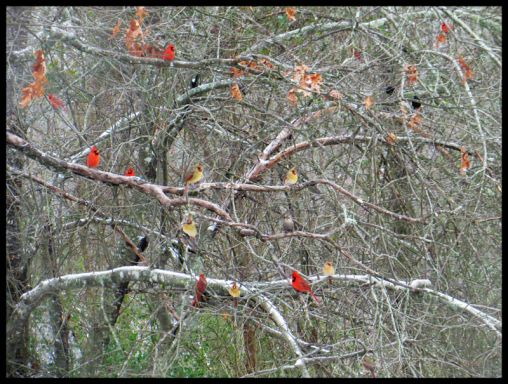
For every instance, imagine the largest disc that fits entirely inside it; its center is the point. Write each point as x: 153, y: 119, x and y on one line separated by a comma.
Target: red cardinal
x: 93, y: 158
x: 169, y: 53
x: 129, y: 172
x: 301, y: 285
x: 200, y: 289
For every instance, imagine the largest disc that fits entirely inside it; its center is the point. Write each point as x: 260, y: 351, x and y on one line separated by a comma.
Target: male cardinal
x: 93, y: 158
x: 301, y: 285
x: 200, y: 289
x: 169, y: 53
x: 129, y: 172
x: 291, y: 176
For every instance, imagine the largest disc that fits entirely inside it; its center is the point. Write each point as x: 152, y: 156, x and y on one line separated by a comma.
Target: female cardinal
x: 169, y: 53
x: 301, y: 285
x: 189, y: 227
x: 291, y: 177
x: 129, y: 172
x: 193, y: 177
x: 200, y: 289
x: 328, y: 270
x: 93, y: 158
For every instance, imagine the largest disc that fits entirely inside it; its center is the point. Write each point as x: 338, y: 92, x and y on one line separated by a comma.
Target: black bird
x: 415, y: 103
x: 389, y: 90
x: 195, y: 81
x: 143, y: 243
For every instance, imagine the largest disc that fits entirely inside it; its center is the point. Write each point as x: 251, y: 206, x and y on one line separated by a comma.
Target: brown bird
x: 289, y: 225
x: 291, y: 177
x: 328, y: 270
x: 193, y: 177
x: 369, y: 364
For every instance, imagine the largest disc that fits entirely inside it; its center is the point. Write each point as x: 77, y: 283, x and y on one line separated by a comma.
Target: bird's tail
x: 315, y: 297
x: 195, y: 302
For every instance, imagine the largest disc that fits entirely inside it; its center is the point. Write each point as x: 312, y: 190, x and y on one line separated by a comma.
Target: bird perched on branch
x: 193, y: 177
x: 129, y: 172
x: 301, y: 285
x: 190, y: 229
x: 93, y: 158
x: 415, y: 103
x: 200, y: 290
x: 288, y: 225
x: 328, y: 270
x: 291, y: 177
x: 195, y: 81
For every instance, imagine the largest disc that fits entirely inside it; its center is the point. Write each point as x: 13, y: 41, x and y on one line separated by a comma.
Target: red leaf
x: 446, y: 27
x: 55, y: 101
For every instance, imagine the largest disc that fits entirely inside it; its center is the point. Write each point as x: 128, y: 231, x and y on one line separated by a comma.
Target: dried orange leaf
x: 415, y: 120
x: 441, y: 38
x: 133, y: 32
x: 236, y: 93
x: 304, y: 92
x: 292, y: 96
x: 336, y: 95
x: 299, y: 73
x: 391, y: 138
x: 369, y: 102
x: 468, y: 73
x: 116, y: 29
x: 141, y: 13
x: 249, y: 64
x: 412, y: 74
x: 265, y: 63
x: 27, y: 97
x: 36, y: 88
x: 465, y: 164
x: 291, y: 14
x: 55, y: 101
x: 316, y: 82
x: 236, y: 72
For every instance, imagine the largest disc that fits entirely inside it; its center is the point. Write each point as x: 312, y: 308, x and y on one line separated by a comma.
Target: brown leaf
x: 236, y: 93
x: 236, y: 72
x: 265, y: 63
x: 391, y: 138
x: 334, y: 94
x: 412, y: 74
x: 441, y: 39
x: 291, y: 14
x: 116, y: 29
x: 292, y: 97
x: 141, y: 13
x: 465, y: 164
x: 316, y: 82
x: 369, y: 102
x: 415, y: 121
